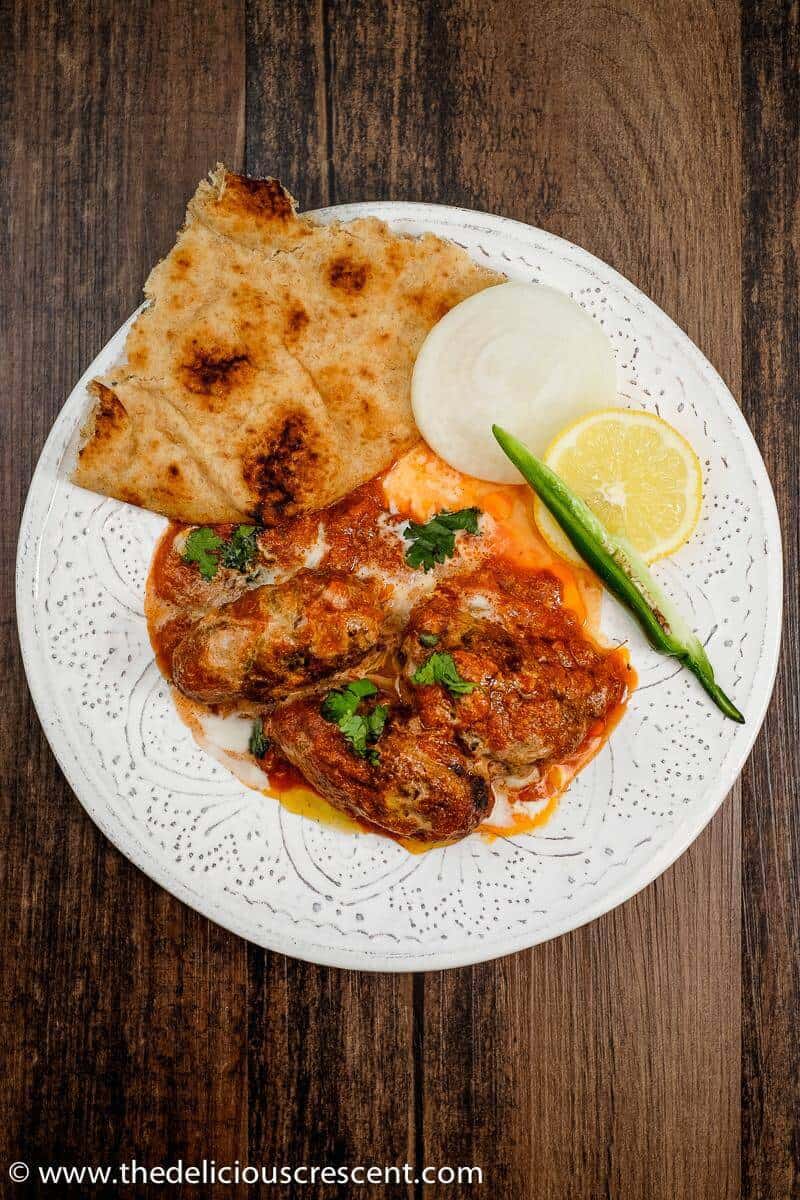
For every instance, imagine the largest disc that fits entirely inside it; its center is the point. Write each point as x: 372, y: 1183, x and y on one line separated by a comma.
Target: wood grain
x: 771, y: 823
x: 287, y: 108
x: 606, y: 1063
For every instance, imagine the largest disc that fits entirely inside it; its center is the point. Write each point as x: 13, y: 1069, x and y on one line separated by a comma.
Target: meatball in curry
x: 276, y: 639
x: 535, y: 683
x: 416, y: 783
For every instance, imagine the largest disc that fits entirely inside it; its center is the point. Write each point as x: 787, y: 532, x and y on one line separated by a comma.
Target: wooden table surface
x: 653, y: 1054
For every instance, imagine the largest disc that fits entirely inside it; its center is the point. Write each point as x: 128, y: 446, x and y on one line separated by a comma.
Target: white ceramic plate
x: 362, y: 901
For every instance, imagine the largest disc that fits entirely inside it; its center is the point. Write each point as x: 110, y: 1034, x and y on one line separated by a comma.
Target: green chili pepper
x: 620, y: 568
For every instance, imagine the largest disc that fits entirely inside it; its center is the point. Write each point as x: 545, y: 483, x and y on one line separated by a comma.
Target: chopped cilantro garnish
x: 259, y: 742
x: 344, y: 701
x: 376, y: 722
x: 210, y: 551
x: 360, y: 730
x: 240, y: 550
x: 440, y: 668
x: 435, y: 541
x: 354, y: 729
x: 201, y: 547
x: 428, y: 639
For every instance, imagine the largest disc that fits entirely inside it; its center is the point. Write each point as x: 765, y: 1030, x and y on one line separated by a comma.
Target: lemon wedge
x: 635, y: 472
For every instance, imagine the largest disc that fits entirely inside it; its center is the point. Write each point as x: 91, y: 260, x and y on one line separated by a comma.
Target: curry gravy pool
x: 362, y: 536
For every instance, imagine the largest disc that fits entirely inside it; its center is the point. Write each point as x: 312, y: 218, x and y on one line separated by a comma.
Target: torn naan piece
x: 270, y: 373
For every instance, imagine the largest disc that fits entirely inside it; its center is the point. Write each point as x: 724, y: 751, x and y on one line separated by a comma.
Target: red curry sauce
x: 364, y: 529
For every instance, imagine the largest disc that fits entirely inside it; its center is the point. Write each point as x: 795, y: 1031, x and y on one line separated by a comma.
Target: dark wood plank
x: 771, y: 828
x: 287, y: 118
x: 122, y: 1009
x: 605, y: 1063
x: 331, y: 1068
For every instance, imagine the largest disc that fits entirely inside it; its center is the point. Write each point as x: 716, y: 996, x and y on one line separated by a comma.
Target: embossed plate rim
x: 304, y: 946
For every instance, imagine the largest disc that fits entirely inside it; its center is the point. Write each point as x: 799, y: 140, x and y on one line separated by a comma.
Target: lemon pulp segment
x: 636, y: 473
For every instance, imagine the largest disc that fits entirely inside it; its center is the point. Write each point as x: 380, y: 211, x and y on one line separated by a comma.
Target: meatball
x: 540, y: 683
x: 277, y: 639
x: 418, y: 783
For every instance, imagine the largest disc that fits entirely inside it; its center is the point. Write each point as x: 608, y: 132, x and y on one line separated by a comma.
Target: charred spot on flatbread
x: 432, y: 307
x: 109, y: 415
x: 347, y: 275
x: 258, y: 213
x: 182, y: 263
x: 296, y: 320
x: 280, y: 472
x: 214, y: 370
x: 261, y: 198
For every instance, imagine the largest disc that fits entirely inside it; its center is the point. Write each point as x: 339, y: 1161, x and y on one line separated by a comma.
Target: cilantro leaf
x: 259, y: 742
x: 340, y: 708
x: 465, y: 518
x: 355, y: 730
x: 376, y: 722
x: 428, y: 639
x: 362, y: 688
x: 436, y: 540
x: 343, y: 702
x: 440, y: 668
x: 210, y: 551
x: 240, y: 550
x: 338, y: 705
x: 201, y: 546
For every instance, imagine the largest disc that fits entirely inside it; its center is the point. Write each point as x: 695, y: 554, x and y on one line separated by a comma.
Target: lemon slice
x: 636, y: 473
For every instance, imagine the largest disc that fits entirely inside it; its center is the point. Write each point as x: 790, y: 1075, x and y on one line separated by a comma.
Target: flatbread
x: 271, y: 372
